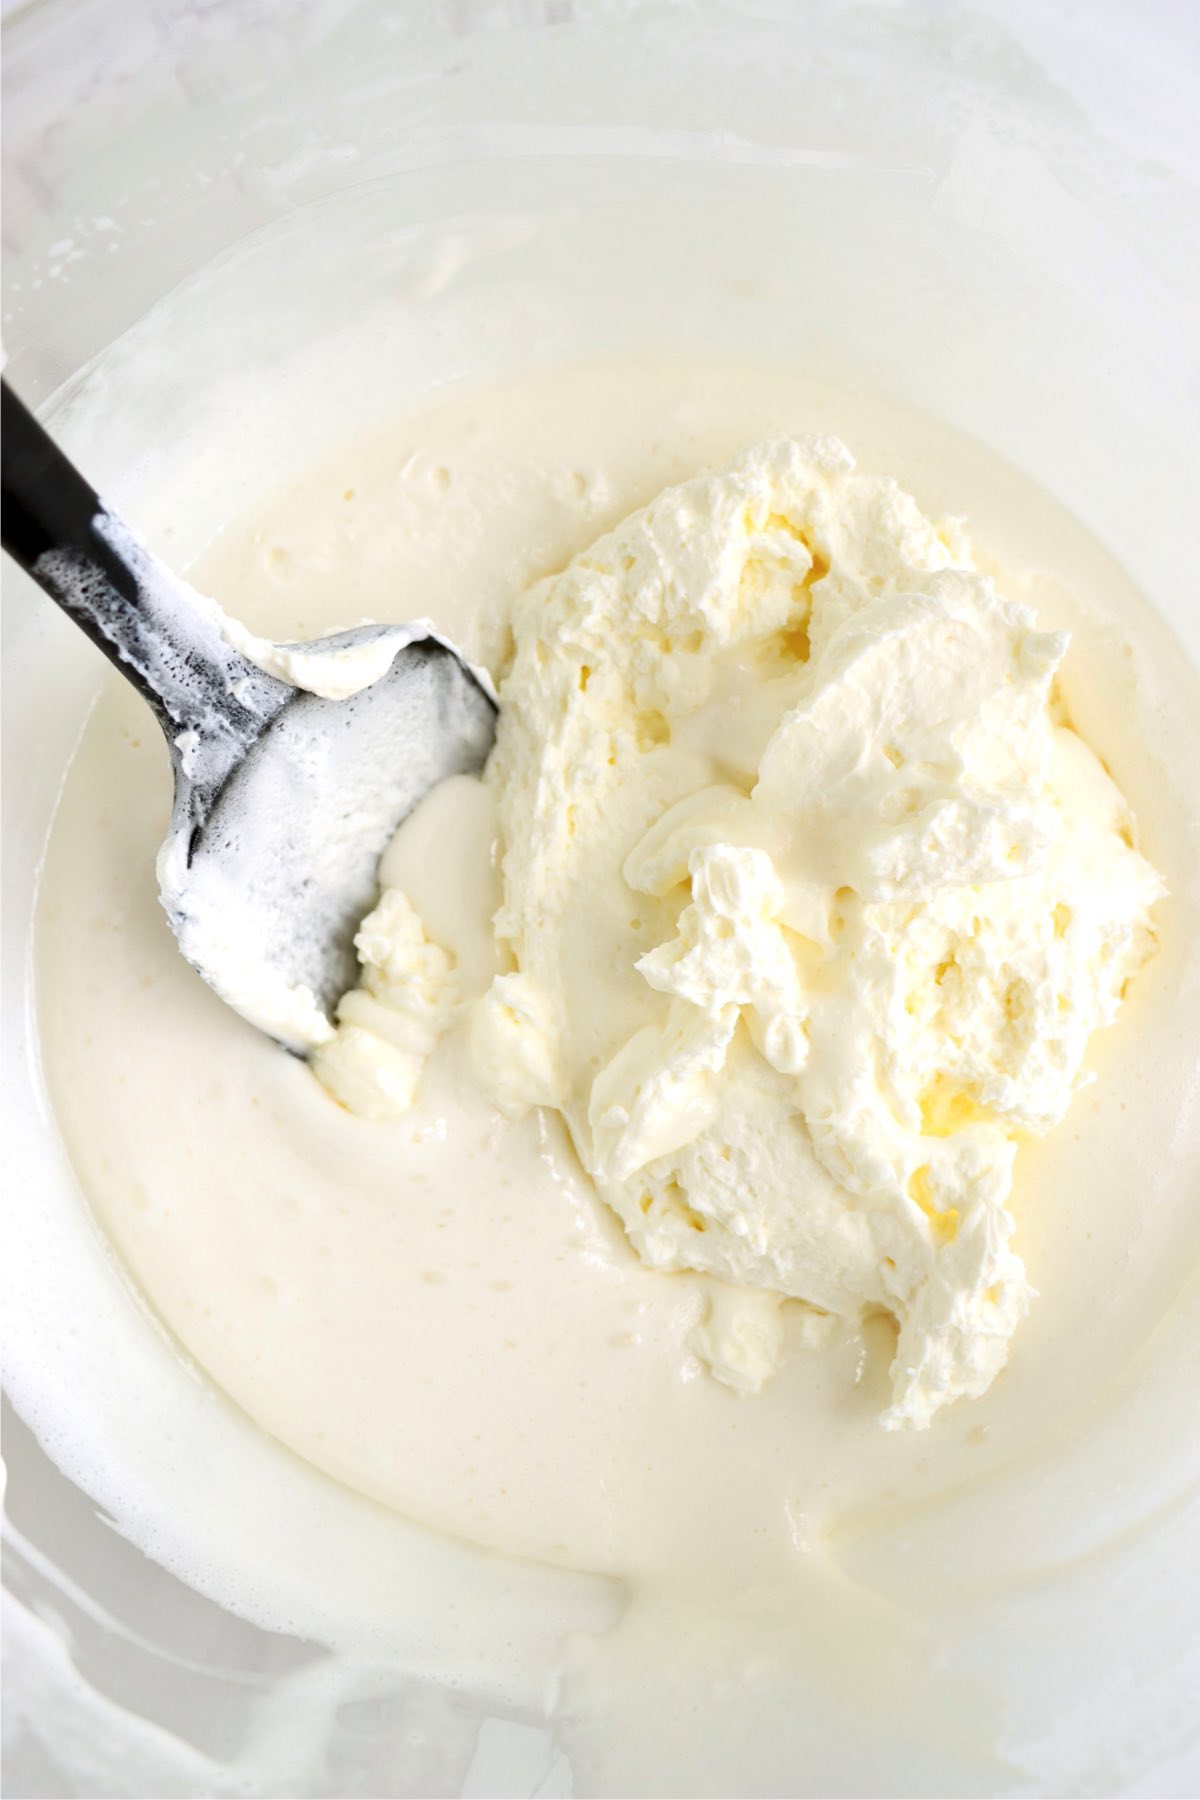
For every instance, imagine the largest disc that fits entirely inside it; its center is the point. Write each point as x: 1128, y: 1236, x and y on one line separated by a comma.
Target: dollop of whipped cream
x: 513, y: 1046
x: 813, y: 898
x: 341, y: 666
x: 389, y: 1024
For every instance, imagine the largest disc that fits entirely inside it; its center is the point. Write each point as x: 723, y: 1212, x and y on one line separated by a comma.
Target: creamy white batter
x: 438, y: 1311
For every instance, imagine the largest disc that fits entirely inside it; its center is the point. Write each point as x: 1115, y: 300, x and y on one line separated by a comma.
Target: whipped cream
x: 814, y: 899
x: 513, y: 1046
x: 387, y: 1026
x: 338, y: 667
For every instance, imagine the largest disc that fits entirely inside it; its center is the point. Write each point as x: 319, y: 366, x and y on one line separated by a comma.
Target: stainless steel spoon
x: 284, y: 800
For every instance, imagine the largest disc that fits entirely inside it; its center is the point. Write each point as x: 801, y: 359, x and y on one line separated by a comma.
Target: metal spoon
x: 284, y: 799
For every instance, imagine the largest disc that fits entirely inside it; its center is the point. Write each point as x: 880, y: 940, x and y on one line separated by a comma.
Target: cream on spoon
x: 293, y: 764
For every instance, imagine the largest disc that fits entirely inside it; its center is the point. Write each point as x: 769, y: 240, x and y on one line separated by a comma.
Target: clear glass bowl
x: 237, y: 222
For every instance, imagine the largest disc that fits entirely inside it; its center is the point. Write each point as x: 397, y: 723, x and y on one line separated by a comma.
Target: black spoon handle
x: 157, y: 631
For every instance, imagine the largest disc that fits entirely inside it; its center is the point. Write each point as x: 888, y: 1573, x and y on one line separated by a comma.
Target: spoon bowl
x: 294, y: 764
x: 266, y: 880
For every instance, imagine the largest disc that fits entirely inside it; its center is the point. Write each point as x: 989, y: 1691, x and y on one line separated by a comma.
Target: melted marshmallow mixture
x: 727, y: 1068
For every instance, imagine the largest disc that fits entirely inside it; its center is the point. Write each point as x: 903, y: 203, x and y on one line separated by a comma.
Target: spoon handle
x: 162, y: 635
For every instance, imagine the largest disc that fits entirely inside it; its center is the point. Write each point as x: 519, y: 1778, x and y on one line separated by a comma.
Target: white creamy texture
x: 818, y: 893
x: 332, y: 671
x: 387, y: 1026
x: 334, y: 674
x: 514, y: 1046
x: 739, y: 1336
x: 413, y: 989
x: 438, y: 1311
